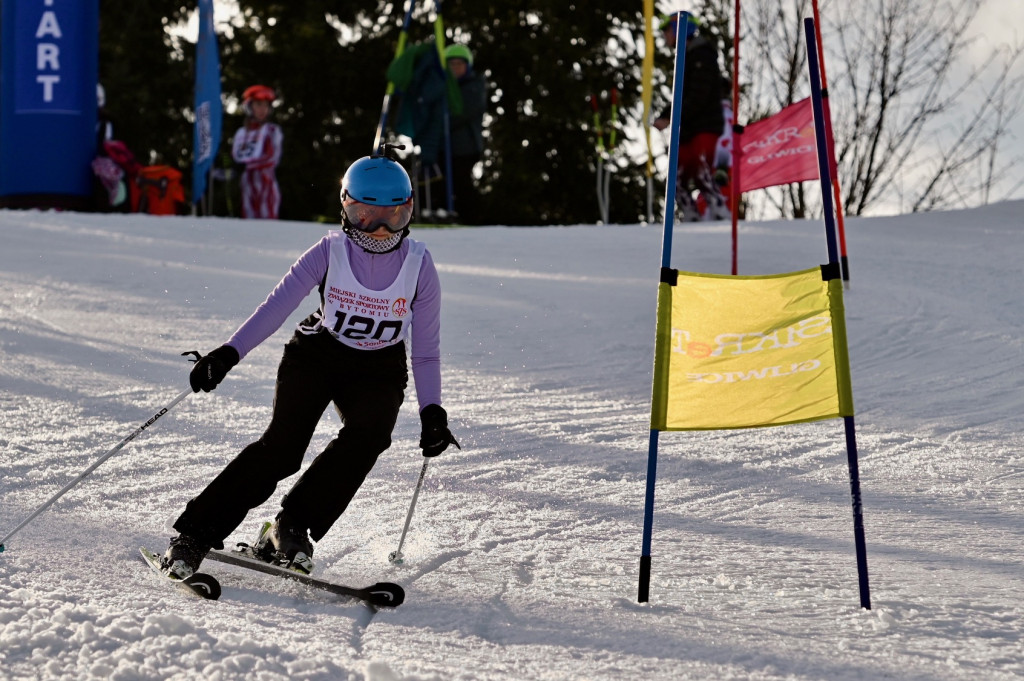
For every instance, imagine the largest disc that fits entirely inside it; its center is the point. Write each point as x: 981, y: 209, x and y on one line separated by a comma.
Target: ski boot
x: 285, y: 543
x: 183, y: 557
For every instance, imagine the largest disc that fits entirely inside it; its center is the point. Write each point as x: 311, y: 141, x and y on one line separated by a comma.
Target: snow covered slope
x: 522, y: 558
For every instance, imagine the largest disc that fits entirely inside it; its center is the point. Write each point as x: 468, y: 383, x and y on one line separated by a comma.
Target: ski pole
x: 606, y: 189
x: 95, y: 465
x: 396, y: 555
x: 378, y: 138
x: 602, y: 207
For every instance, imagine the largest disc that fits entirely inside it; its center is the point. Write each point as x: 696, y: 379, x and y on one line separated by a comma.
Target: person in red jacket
x: 701, y: 122
x: 257, y: 146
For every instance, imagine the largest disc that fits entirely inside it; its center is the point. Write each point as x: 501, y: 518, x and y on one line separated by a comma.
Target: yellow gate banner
x: 747, y: 351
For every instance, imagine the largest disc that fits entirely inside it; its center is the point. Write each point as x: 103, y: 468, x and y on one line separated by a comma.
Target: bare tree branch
x: 915, y: 124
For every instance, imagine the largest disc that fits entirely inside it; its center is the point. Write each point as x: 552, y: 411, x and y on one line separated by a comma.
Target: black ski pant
x: 367, y: 388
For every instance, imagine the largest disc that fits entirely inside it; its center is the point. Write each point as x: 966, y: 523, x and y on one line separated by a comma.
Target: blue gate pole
x: 824, y: 172
x: 682, y: 19
x: 49, y: 57
x: 834, y: 266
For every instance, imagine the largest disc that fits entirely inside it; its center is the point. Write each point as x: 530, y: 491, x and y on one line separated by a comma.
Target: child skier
x: 377, y: 288
x: 257, y: 145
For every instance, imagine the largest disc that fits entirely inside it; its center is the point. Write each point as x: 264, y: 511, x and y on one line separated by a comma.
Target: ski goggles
x: 367, y: 217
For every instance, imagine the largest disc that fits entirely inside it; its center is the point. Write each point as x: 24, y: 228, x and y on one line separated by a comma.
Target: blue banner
x: 48, y: 106
x: 208, y: 111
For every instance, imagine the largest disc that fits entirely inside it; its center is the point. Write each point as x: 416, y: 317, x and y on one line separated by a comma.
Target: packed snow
x: 522, y: 560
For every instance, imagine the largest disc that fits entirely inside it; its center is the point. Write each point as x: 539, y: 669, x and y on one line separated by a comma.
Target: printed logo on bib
x: 366, y: 320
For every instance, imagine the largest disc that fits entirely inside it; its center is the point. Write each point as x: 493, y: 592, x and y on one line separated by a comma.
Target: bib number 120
x: 358, y: 327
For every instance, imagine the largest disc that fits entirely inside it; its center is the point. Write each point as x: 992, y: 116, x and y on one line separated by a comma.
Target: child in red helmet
x: 257, y: 145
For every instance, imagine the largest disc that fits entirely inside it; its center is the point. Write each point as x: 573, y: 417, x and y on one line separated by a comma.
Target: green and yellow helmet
x: 668, y: 21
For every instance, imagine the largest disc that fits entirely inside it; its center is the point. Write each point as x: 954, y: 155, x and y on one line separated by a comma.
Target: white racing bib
x: 363, y: 318
x: 248, y: 143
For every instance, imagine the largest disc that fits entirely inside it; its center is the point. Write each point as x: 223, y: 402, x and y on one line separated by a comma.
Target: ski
x: 201, y: 584
x: 381, y: 595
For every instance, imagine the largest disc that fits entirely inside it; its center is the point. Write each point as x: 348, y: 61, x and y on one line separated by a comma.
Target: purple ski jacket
x: 375, y: 271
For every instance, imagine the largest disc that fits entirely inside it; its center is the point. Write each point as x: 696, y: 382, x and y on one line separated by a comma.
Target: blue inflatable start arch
x: 48, y: 71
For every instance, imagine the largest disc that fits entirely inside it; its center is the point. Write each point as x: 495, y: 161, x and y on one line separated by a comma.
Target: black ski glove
x: 435, y: 436
x: 210, y: 370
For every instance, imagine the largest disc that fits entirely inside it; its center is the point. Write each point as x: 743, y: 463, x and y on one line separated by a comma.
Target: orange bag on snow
x: 159, y: 191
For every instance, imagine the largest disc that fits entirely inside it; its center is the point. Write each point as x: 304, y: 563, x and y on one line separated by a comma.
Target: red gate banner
x: 779, y: 149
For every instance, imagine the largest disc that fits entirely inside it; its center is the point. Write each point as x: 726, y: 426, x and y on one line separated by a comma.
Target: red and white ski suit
x: 259, y: 148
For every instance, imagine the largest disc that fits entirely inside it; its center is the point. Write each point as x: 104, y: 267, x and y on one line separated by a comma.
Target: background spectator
x: 701, y: 122
x: 257, y: 146
x: 467, y: 140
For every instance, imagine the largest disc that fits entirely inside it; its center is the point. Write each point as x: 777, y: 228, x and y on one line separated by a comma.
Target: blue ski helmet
x: 378, y: 181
